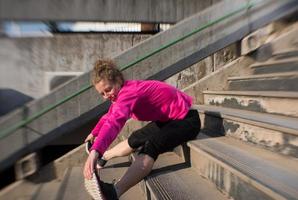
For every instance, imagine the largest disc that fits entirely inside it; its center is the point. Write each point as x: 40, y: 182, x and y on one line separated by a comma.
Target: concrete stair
x: 248, y: 144
x: 70, y: 185
x: 261, y: 108
x: 78, y: 113
x: 247, y: 148
x: 30, y: 189
x: 285, y: 53
x: 282, y: 102
x: 243, y: 171
x: 173, y: 178
x: 19, y: 190
x: 48, y: 190
x: 272, y: 132
x: 277, y: 74
x: 286, y: 81
x: 276, y: 66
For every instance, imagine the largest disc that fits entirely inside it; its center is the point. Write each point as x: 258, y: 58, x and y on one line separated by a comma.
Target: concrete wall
x: 166, y: 11
x: 205, y: 67
x: 26, y: 63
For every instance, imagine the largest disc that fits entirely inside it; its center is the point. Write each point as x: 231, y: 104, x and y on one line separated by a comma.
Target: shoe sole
x: 93, y: 188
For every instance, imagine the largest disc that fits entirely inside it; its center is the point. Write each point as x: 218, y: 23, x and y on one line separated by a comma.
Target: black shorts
x: 159, y: 137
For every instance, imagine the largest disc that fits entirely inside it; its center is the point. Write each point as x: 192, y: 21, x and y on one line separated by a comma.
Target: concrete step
x: 286, y: 81
x: 280, y: 46
x: 33, y: 188
x: 49, y: 191
x: 20, y: 190
x: 285, y: 53
x: 276, y: 66
x: 284, y: 103
x: 272, y: 132
x: 72, y: 186
x: 172, y: 178
x: 244, y: 171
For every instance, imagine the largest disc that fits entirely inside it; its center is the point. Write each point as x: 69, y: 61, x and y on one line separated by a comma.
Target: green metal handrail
x: 24, y: 122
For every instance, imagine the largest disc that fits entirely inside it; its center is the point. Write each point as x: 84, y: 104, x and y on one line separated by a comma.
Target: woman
x: 173, y: 122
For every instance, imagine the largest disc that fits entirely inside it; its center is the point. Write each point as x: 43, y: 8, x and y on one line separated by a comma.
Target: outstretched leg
x: 140, y: 168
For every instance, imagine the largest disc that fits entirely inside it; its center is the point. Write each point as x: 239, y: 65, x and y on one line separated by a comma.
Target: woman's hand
x: 90, y: 137
x: 90, y: 164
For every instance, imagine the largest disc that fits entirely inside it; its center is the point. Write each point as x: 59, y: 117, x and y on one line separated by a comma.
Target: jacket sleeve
x: 99, y: 124
x: 120, y: 112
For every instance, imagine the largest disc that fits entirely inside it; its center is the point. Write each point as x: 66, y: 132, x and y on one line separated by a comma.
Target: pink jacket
x: 148, y: 100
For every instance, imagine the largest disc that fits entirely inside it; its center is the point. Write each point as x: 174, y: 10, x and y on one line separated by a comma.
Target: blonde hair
x: 106, y: 69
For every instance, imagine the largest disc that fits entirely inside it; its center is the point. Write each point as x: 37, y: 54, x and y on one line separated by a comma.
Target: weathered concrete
x: 178, y: 184
x: 161, y: 11
x: 240, y: 67
x: 35, y: 58
x: 276, y: 66
x: 273, y: 140
x: 205, y: 67
x: 73, y: 185
x: 286, y: 53
x: 283, y: 103
x: 48, y: 190
x: 227, y: 182
x: 286, y: 41
x: 226, y: 55
x: 218, y: 79
x: 235, y: 181
x: 169, y: 62
x: 260, y: 37
x: 242, y: 171
x: 286, y: 81
x: 19, y: 190
x: 69, y: 184
x: 273, y: 132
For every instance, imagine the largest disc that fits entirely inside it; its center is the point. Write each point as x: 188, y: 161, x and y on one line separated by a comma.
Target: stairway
x: 252, y: 151
x: 65, y: 111
x: 247, y: 148
x: 68, y: 185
